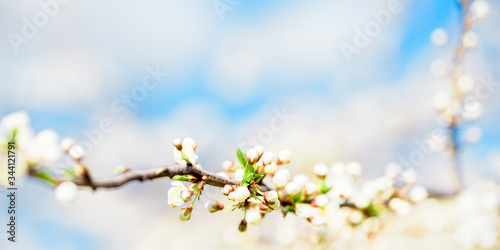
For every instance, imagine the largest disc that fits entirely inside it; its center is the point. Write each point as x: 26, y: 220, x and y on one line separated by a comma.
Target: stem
x: 147, y: 174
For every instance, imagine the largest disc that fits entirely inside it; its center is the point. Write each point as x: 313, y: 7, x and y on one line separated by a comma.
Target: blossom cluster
x: 330, y: 200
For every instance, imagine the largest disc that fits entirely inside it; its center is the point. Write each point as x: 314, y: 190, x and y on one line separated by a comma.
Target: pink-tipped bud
x: 271, y: 196
x: 228, y: 166
x: 243, y: 226
x: 185, y: 213
x: 252, y: 156
x: 214, y: 206
x: 227, y: 189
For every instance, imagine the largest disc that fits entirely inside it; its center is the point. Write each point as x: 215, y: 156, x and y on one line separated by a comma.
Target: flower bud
x: 239, y: 174
x: 321, y: 201
x: 241, y: 194
x: 311, y: 188
x: 301, y: 179
x: 185, y: 213
x: 195, y: 188
x: 230, y: 196
x: 243, y: 226
x: 186, y: 194
x: 178, y: 144
x: 274, y: 205
x: 417, y: 193
x: 189, y: 143
x: 292, y: 188
x: 76, y: 152
x: 228, y: 165
x: 252, y: 156
x: 318, y: 220
x: 66, y: 192
x: 479, y: 9
x: 320, y: 170
x: 284, y: 156
x: 267, y: 158
x: 214, y: 206
x: 259, y: 150
x: 401, y: 207
x: 361, y: 201
x: 271, y: 196
x: 227, y: 189
x: 67, y: 143
x: 355, y: 217
x: 253, y: 217
x: 281, y: 178
x: 259, y: 165
x: 354, y: 168
x: 254, y: 201
x: 271, y: 168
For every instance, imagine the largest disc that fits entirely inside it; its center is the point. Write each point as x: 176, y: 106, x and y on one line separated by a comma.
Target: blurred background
x: 255, y: 72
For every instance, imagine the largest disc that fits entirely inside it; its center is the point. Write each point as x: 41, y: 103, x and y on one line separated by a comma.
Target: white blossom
x: 479, y: 9
x: 320, y: 170
x: 321, y: 200
x: 227, y: 189
x: 67, y: 143
x: 252, y: 156
x: 318, y: 220
x: 271, y: 196
x: 285, y: 156
x: 43, y: 149
x: 292, y: 188
x: 267, y: 158
x: 311, y: 188
x: 275, y: 205
x: 354, y: 168
x: 227, y: 165
x: 239, y: 174
x: 241, y: 193
x: 281, y: 178
x: 66, y: 192
x: 253, y: 217
x: 175, y: 194
x: 301, y: 179
x: 417, y: 193
x: 439, y: 37
x: 271, y: 168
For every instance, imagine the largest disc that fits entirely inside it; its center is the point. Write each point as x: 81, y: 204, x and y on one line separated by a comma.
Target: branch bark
x: 150, y: 174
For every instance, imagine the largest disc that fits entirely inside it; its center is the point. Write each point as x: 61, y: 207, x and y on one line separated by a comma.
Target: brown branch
x: 150, y: 174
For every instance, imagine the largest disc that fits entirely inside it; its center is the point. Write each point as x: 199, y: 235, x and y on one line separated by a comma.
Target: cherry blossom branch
x: 149, y: 174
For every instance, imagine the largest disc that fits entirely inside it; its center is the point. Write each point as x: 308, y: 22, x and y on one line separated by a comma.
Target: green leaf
x: 249, y: 171
x: 287, y: 210
x: 13, y: 135
x: 160, y: 171
x: 325, y: 188
x: 372, y: 211
x: 297, y: 198
x: 242, y: 157
x: 258, y: 177
x: 69, y: 174
x: 256, y: 197
x: 188, y: 178
x: 247, y: 180
x: 46, y: 176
